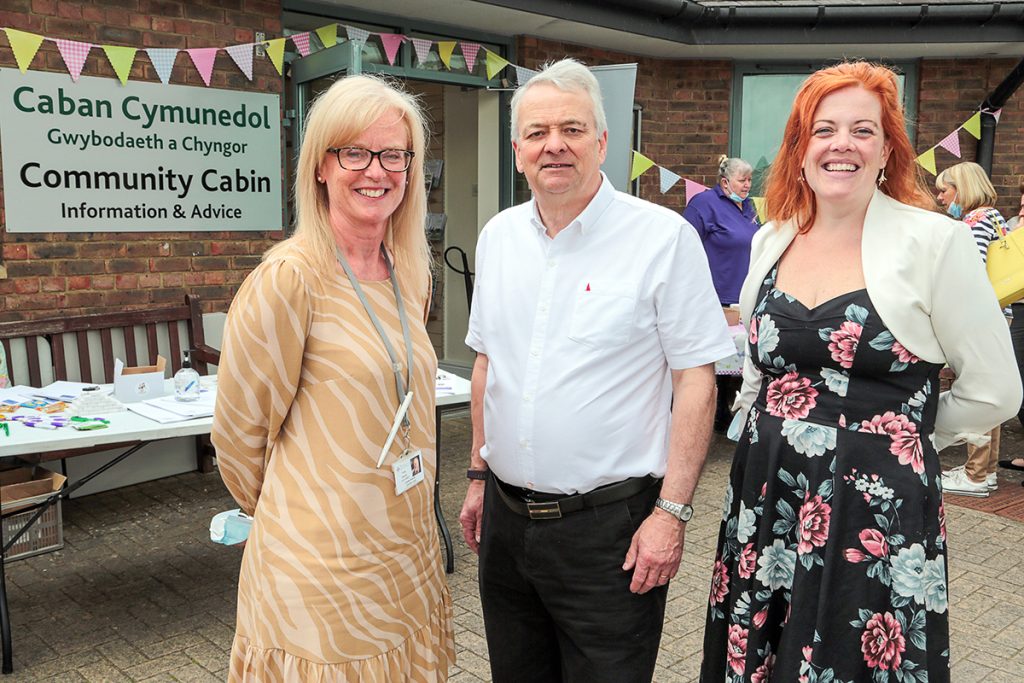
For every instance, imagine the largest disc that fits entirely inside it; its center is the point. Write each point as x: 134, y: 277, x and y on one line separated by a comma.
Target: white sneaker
x: 956, y: 482
x: 991, y: 480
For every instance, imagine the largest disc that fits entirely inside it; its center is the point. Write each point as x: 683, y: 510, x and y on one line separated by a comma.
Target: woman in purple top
x: 725, y: 219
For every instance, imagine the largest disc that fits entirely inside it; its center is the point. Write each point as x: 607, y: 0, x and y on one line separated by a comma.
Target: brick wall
x: 951, y: 91
x: 99, y: 271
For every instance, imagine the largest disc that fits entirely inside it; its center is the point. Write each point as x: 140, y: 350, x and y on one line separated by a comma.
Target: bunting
x: 328, y: 35
x: 693, y: 188
x: 163, y: 61
x: 469, y: 51
x: 73, y: 53
x: 357, y: 35
x: 275, y: 50
x: 25, y: 46
x: 952, y: 143
x: 495, y: 63
x: 203, y: 58
x: 121, y: 58
x: 667, y: 179
x: 242, y: 57
x: 640, y: 164
x: 445, y: 48
x: 391, y: 43
x: 973, y: 125
x: 422, y: 48
x: 301, y: 41
x: 523, y: 74
x: 927, y: 161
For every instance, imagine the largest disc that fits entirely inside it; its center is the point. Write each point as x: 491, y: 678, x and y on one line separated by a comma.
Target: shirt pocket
x: 603, y: 315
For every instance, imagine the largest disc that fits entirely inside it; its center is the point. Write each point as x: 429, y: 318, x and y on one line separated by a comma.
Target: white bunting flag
x: 668, y: 179
x: 163, y: 61
x: 523, y: 74
x: 357, y: 35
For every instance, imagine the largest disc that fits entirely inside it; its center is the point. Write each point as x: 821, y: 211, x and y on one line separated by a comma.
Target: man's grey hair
x: 568, y: 75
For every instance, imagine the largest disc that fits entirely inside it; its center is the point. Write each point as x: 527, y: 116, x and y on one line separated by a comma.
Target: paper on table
x: 444, y: 386
x: 156, y: 414
x: 62, y: 390
x: 17, y: 395
x: 201, y: 407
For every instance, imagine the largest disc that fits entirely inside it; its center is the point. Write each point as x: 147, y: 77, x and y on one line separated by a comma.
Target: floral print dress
x: 831, y: 562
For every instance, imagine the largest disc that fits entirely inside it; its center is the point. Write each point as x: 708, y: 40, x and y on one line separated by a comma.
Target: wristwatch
x: 680, y: 511
x: 480, y: 475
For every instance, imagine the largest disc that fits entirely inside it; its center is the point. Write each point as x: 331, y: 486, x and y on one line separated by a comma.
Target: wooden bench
x: 83, y: 349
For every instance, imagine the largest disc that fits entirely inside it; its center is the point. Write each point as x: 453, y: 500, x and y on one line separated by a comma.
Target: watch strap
x: 681, y: 511
x: 478, y: 475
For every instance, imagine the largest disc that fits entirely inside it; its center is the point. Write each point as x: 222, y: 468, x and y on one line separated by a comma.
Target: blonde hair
x: 337, y: 117
x: 973, y: 188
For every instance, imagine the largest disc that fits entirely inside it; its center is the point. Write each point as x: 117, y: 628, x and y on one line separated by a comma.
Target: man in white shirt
x: 592, y: 311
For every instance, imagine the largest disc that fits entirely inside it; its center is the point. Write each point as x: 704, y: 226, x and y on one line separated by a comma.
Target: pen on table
x: 394, y: 428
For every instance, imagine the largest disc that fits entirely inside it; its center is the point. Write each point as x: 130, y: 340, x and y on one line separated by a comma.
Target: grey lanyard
x: 396, y: 366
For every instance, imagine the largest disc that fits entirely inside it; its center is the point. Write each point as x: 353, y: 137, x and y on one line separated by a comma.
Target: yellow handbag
x: 1005, y: 266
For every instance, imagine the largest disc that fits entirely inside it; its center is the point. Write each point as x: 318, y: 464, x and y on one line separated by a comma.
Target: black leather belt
x: 550, y: 506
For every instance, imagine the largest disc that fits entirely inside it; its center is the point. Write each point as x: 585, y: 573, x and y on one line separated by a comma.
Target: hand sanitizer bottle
x: 186, y: 382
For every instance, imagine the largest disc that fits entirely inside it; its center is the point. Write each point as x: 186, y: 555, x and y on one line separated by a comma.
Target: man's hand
x: 655, y: 551
x: 471, y: 515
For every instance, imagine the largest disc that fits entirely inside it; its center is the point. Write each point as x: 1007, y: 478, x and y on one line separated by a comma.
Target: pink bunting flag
x: 73, y: 53
x: 996, y: 114
x: 952, y: 143
x: 469, y: 51
x: 422, y: 47
x: 391, y: 41
x: 693, y: 188
x: 203, y: 58
x: 301, y: 41
x: 242, y: 56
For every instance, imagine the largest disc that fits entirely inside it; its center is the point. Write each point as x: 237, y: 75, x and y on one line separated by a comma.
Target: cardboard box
x: 23, y: 483
x: 132, y: 385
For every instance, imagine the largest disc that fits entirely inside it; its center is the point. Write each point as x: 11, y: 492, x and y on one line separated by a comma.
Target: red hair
x: 788, y: 197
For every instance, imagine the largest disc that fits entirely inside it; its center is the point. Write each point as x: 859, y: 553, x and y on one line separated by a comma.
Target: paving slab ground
x: 140, y: 594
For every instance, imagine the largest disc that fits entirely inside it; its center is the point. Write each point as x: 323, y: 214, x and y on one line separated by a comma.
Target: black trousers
x: 556, y: 602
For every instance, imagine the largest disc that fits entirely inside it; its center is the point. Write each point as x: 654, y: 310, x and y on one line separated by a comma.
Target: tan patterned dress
x: 341, y: 579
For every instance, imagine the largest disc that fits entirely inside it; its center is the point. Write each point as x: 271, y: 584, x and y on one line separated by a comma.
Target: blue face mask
x: 732, y: 195
x: 954, y: 209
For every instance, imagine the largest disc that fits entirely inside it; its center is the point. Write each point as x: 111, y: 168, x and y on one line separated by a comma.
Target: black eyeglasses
x: 358, y: 158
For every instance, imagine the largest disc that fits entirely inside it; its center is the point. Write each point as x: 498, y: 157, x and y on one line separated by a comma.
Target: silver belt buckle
x: 547, y: 510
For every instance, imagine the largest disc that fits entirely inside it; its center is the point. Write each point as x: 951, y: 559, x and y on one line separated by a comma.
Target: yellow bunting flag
x: 121, y: 58
x: 328, y: 35
x: 759, y: 208
x: 973, y: 126
x: 275, y: 50
x: 444, y: 50
x: 25, y: 46
x: 927, y: 161
x: 640, y: 164
x: 495, y: 63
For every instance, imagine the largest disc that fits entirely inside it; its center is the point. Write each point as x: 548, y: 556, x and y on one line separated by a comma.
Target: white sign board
x: 98, y: 156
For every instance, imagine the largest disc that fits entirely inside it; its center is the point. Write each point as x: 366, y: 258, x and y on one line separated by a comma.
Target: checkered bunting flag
x: 422, y: 48
x: 163, y: 61
x: 73, y: 53
x: 242, y: 56
x: 301, y: 41
x: 357, y: 35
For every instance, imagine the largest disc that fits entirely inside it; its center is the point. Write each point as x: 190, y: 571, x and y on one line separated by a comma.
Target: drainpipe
x: 993, y: 103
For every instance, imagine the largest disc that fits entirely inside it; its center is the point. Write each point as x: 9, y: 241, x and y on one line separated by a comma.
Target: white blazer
x: 928, y: 284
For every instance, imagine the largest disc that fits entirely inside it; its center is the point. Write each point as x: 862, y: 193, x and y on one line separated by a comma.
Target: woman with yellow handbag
x: 968, y: 195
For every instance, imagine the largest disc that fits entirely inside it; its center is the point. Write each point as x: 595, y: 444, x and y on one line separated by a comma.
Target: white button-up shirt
x: 581, y: 334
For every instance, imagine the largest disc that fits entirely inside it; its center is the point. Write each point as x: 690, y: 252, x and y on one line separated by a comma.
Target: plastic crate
x: 46, y: 535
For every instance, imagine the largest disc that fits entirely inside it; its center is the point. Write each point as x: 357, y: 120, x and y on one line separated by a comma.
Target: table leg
x: 449, y: 566
x: 5, y: 617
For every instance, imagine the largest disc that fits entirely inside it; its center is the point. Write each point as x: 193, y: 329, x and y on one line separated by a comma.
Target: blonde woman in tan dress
x: 341, y: 577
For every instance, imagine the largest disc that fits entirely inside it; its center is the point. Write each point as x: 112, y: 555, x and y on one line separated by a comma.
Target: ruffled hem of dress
x: 943, y: 439
x: 419, y: 659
